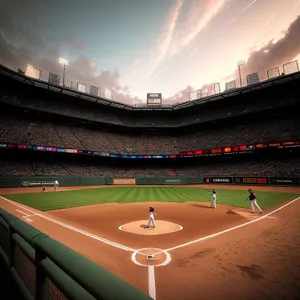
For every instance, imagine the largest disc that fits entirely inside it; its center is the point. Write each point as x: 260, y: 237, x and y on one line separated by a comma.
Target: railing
x: 34, y: 266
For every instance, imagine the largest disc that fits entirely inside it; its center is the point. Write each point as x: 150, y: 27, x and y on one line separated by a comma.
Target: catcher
x: 151, y: 219
x: 253, y: 203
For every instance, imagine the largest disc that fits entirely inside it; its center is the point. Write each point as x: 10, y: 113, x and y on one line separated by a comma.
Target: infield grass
x: 69, y: 199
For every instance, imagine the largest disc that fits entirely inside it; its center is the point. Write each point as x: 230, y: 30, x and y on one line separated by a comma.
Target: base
x: 150, y: 256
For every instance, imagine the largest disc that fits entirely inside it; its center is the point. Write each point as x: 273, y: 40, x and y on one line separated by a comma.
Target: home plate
x: 150, y: 256
x: 28, y: 220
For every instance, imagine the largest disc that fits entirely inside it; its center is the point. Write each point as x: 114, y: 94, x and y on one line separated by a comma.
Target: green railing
x: 34, y: 266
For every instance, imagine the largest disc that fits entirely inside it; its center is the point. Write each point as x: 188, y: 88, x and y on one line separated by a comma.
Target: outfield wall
x: 253, y: 180
x: 11, y: 182
x: 34, y: 266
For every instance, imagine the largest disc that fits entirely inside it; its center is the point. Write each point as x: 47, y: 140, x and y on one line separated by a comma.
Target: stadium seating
x: 37, y: 132
x: 39, y: 117
x: 70, y: 106
x: 39, y: 164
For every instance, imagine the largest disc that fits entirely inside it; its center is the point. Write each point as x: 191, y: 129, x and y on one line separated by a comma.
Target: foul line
x: 151, y: 269
x: 21, y: 212
x: 151, y: 282
x: 230, y: 229
x: 93, y: 236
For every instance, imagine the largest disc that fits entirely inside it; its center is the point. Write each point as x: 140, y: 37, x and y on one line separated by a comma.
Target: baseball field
x: 199, y: 252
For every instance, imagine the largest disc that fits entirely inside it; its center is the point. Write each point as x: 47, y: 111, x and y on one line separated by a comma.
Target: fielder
x: 214, y: 199
x: 55, y: 185
x: 151, y: 219
x: 253, y: 203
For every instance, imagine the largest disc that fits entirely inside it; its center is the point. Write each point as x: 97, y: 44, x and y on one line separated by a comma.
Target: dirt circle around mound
x: 160, y: 257
x: 139, y: 227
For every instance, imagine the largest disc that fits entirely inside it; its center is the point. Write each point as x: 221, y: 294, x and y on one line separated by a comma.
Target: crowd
x: 22, y: 167
x: 45, y: 129
x: 44, y: 133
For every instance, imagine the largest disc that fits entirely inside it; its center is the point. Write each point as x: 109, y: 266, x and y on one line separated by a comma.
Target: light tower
x: 64, y: 63
x: 240, y: 63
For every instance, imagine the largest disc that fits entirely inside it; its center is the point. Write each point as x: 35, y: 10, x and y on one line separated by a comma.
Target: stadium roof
x: 84, y: 96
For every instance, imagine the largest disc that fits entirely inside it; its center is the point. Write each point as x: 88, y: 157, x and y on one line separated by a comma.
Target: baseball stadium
x: 79, y: 172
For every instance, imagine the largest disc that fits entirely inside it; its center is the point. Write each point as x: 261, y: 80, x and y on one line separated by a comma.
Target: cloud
x: 249, y: 5
x: 164, y: 40
x: 181, y: 96
x: 201, y: 13
x: 267, y: 22
x: 271, y: 55
x: 295, y: 6
x: 20, y: 46
x: 275, y: 54
x: 185, y: 22
x: 209, y: 88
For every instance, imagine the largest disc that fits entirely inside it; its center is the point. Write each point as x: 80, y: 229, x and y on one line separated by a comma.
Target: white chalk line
x: 170, y: 249
x: 29, y: 216
x: 151, y: 282
x: 93, y: 236
x: 230, y: 229
x: 147, y: 229
x: 151, y: 273
x: 151, y: 269
x: 139, y: 251
x: 21, y: 212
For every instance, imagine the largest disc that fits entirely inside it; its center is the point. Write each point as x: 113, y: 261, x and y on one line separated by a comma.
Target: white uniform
x: 214, y: 200
x: 55, y: 185
x: 253, y: 205
x: 151, y: 219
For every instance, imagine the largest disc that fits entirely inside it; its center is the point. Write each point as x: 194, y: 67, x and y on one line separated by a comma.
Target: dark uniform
x: 253, y: 203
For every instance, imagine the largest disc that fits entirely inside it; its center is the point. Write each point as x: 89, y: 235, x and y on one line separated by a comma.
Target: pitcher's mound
x: 140, y: 227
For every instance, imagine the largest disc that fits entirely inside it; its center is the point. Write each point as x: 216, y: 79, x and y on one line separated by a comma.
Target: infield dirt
x: 258, y: 261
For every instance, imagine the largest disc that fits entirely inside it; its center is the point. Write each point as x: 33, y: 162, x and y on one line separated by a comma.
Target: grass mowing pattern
x: 68, y: 199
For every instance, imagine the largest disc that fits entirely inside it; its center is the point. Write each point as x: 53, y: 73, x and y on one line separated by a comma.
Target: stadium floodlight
x: 64, y: 63
x: 291, y: 67
x: 33, y: 72
x: 240, y: 63
x: 217, y: 88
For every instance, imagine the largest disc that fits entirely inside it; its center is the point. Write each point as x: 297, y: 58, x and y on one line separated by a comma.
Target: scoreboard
x: 154, y: 99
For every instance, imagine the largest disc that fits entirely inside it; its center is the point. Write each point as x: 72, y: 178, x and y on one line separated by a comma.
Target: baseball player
x: 55, y: 185
x: 44, y: 189
x: 151, y: 219
x: 253, y: 203
x: 214, y: 199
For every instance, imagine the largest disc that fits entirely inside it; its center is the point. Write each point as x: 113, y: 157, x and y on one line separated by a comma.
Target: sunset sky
x: 137, y: 46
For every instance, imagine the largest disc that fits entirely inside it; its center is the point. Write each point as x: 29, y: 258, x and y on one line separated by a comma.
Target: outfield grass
x: 68, y: 199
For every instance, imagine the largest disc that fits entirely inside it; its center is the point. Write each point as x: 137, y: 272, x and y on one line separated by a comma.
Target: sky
x: 134, y: 47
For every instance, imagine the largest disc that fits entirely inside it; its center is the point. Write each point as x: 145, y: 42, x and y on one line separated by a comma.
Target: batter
x: 151, y: 214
